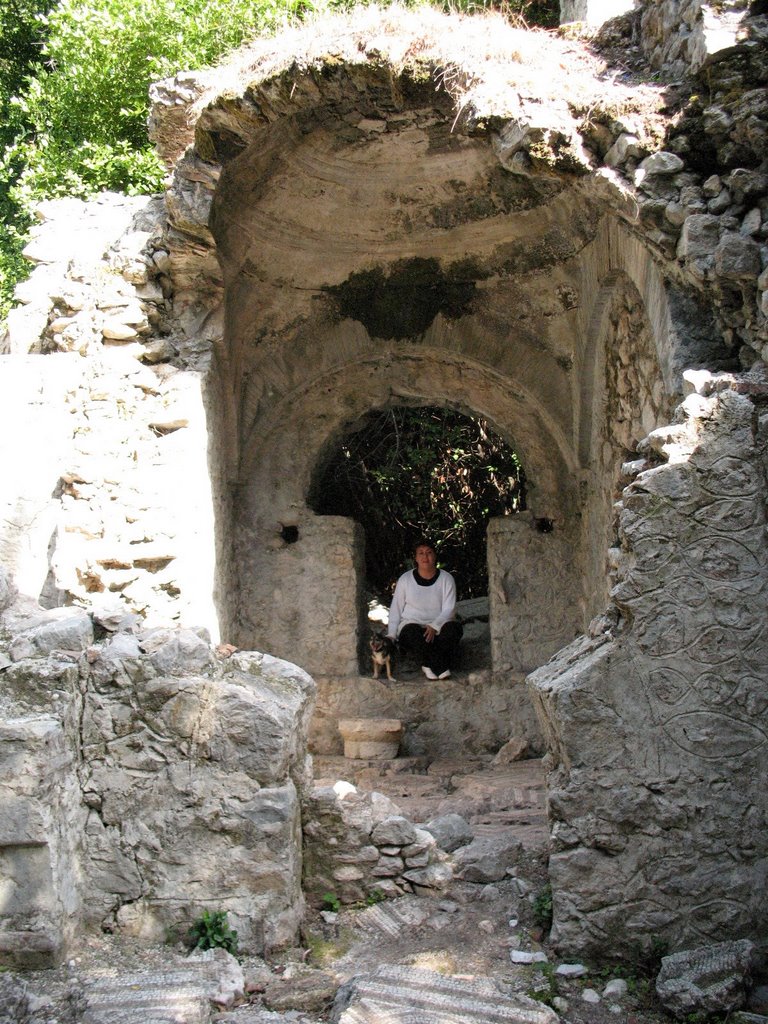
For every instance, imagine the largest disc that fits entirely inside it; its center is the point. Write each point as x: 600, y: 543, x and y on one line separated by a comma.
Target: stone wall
x: 476, y: 711
x: 651, y: 720
x: 147, y: 777
x: 40, y: 842
x: 534, y: 583
x: 107, y: 489
x: 360, y: 847
x: 682, y: 36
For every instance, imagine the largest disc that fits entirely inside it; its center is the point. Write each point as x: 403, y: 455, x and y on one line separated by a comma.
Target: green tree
x: 74, y: 85
x: 22, y: 33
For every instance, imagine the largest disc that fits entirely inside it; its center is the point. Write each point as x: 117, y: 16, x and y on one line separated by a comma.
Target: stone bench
x: 376, y: 739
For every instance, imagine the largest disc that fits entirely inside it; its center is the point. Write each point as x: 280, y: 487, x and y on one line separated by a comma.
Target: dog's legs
x: 388, y: 663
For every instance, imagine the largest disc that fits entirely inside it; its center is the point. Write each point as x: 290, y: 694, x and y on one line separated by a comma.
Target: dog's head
x: 380, y: 643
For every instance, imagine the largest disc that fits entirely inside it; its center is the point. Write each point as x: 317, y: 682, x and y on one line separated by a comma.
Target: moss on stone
x: 403, y: 302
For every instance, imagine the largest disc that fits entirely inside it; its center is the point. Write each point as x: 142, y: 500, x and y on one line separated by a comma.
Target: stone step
x: 393, y: 918
x: 407, y: 995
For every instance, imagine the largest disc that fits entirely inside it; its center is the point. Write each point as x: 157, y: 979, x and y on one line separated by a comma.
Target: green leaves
x: 412, y: 472
x: 74, y: 88
x: 211, y: 931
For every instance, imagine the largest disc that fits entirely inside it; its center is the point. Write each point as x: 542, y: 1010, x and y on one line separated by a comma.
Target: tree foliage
x: 413, y: 472
x: 21, y: 42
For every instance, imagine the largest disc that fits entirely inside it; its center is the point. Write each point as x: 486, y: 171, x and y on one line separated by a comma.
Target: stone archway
x: 371, y: 250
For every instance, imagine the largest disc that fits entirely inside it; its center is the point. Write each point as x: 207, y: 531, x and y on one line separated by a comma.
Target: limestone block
x: 435, y: 876
x: 450, y: 831
x: 372, y: 738
x: 301, y: 989
x: 737, y: 257
x: 708, y: 980
x: 116, y: 330
x: 487, y: 858
x: 25, y: 326
x: 624, y: 147
x: 394, y: 831
x: 40, y: 837
x: 533, y: 591
x: 63, y: 629
x: 176, y: 652
x: 699, y: 236
x: 662, y: 163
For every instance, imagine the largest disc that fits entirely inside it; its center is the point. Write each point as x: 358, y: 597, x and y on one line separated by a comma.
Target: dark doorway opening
x: 403, y: 473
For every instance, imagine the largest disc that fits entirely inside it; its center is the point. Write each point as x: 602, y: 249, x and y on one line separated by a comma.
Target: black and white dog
x: 382, y: 649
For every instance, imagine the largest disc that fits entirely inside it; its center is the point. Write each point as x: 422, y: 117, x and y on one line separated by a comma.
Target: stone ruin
x: 397, y: 209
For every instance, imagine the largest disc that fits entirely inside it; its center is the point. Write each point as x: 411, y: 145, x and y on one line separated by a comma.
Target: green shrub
x: 331, y: 902
x: 542, y: 908
x: 211, y: 931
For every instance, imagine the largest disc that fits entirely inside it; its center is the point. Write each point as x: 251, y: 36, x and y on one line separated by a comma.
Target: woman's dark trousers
x: 441, y: 654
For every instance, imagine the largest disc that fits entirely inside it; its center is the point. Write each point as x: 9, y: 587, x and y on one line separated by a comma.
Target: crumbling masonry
x: 403, y: 211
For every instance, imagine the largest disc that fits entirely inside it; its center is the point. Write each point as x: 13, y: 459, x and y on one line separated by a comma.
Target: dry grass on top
x: 481, y: 59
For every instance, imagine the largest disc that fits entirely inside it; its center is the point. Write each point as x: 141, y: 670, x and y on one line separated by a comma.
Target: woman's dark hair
x: 423, y: 542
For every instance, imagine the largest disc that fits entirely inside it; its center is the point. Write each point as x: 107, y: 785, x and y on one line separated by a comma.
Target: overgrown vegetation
x: 414, y: 472
x: 74, y: 81
x: 331, y: 902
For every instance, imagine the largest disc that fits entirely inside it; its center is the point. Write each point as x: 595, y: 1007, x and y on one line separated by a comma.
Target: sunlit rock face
x: 145, y: 775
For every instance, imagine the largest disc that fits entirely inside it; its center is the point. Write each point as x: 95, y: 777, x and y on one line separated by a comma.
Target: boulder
x: 488, y: 858
x: 450, y: 831
x: 303, y: 989
x: 710, y: 979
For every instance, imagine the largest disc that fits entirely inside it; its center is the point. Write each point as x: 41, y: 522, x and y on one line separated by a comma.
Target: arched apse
x: 319, y: 589
x: 373, y: 250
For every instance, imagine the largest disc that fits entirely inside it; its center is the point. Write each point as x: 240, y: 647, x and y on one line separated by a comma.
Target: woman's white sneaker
x: 428, y: 672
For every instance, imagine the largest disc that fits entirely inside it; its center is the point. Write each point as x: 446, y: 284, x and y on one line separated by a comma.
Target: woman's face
x: 426, y: 560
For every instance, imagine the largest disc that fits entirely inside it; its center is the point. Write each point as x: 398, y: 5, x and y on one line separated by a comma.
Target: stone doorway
x: 424, y: 471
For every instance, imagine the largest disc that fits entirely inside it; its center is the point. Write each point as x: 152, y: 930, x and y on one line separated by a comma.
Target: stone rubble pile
x: 358, y: 846
x: 100, y: 279
x: 679, y: 37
